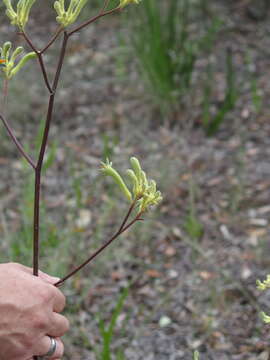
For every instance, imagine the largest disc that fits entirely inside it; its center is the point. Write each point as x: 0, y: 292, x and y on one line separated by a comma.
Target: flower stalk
x: 143, y: 193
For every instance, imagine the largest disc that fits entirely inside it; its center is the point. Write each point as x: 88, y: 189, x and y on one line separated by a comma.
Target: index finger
x: 58, y: 298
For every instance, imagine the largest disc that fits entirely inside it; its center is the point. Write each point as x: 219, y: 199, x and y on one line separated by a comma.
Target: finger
x: 59, y: 325
x: 58, y: 298
x: 44, y: 345
x: 48, y: 278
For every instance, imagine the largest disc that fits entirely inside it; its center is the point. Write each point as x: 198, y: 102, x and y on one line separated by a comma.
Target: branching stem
x: 121, y: 229
x: 37, y: 167
x: 42, y: 151
x: 93, y: 19
x: 55, y: 36
x: 40, y: 60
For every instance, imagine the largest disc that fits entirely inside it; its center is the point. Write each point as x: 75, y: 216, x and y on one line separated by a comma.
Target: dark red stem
x: 40, y: 60
x: 103, y: 247
x: 93, y: 19
x: 46, y: 47
x: 42, y: 151
x: 17, y: 143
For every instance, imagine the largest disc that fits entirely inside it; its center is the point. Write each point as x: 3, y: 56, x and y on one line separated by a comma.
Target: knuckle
x: 26, y: 341
x: 44, y: 293
x: 59, y: 294
x: 40, y: 321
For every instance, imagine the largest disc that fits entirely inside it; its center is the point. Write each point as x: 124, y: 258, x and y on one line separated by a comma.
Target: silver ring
x: 51, y: 350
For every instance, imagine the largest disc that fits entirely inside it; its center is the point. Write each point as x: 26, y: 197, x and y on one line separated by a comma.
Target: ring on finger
x: 51, y: 351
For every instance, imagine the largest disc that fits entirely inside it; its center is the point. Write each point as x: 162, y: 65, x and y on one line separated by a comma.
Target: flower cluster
x: 144, y: 192
x: 69, y: 16
x: 264, y: 286
x: 66, y: 14
x: 19, y: 17
x: 10, y: 65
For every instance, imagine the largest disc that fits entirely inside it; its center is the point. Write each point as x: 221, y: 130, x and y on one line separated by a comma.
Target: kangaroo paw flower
x: 68, y: 15
x: 144, y: 192
x: 19, y: 17
x: 10, y: 64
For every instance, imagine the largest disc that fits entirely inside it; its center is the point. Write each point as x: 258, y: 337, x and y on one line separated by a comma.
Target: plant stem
x: 38, y: 169
x: 103, y: 247
x: 60, y: 61
x: 5, y: 95
x: 127, y: 215
x: 46, y: 47
x: 40, y: 60
x: 17, y: 143
x: 88, y: 22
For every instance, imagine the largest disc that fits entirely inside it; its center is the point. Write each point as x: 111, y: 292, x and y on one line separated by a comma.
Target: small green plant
x: 256, y: 95
x: 196, y: 355
x: 166, y: 49
x: 192, y: 225
x: 212, y: 124
x: 107, y: 332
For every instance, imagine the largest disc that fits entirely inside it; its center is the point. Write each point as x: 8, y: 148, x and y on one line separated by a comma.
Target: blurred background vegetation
x: 183, y: 85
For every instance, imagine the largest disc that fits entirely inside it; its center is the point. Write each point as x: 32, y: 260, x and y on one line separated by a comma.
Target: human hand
x: 29, y: 313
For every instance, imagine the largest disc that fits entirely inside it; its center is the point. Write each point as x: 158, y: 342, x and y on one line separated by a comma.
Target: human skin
x: 30, y: 309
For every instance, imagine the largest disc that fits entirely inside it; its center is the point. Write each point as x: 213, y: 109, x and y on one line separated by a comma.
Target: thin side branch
x: 60, y: 61
x: 5, y: 97
x: 90, y: 21
x: 55, y: 36
x: 122, y: 228
x: 40, y: 60
x: 127, y: 216
x: 17, y: 143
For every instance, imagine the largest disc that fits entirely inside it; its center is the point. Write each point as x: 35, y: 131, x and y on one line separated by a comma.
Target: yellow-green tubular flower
x: 150, y: 197
x: 5, y: 50
x: 136, y: 190
x: 263, y: 285
x: 124, y: 3
x: 107, y: 169
x: 138, y: 177
x: 143, y: 189
x: 265, y: 318
x: 69, y: 16
x: 11, y: 67
x: 21, y: 16
x: 144, y: 192
x: 136, y: 166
